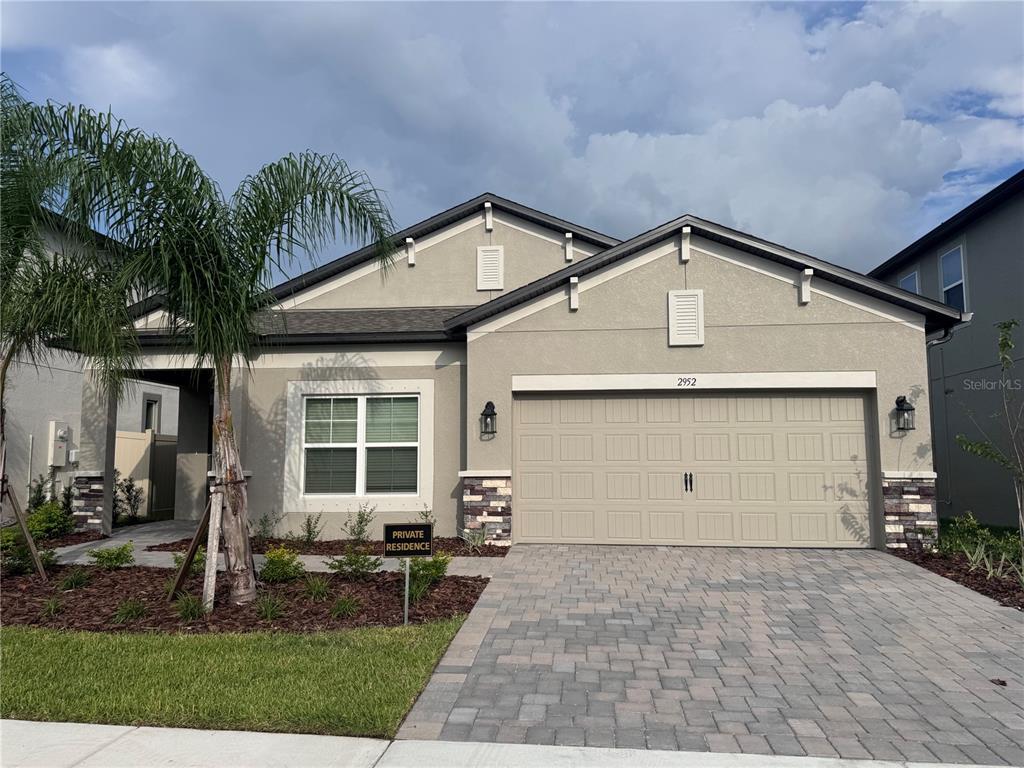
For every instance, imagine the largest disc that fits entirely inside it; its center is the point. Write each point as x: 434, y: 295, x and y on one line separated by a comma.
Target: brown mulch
x: 78, y: 537
x: 449, y: 545
x: 91, y: 608
x: 954, y: 566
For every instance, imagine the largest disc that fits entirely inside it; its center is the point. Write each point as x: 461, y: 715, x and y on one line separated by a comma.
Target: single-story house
x: 525, y: 375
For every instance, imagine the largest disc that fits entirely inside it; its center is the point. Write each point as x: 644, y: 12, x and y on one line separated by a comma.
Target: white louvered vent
x: 490, y: 268
x: 685, y: 318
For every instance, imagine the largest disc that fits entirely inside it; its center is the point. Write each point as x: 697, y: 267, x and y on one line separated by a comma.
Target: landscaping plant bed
x: 78, y: 537
x: 449, y: 545
x: 92, y: 607
x: 954, y: 566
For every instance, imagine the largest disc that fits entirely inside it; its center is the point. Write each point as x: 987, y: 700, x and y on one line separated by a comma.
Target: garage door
x: 752, y: 470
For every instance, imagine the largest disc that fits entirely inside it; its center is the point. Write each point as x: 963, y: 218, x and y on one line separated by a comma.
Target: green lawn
x: 357, y: 682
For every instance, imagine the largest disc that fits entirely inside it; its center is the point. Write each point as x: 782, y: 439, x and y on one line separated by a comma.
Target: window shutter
x: 490, y: 268
x: 685, y: 318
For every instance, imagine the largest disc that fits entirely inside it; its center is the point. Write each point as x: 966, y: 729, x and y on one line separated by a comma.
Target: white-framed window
x: 951, y: 274
x: 909, y: 282
x: 360, y: 445
x: 370, y: 441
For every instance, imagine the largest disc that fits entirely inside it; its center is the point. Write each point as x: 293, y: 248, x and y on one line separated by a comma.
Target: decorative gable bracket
x: 410, y: 251
x: 805, y: 286
x: 684, y: 245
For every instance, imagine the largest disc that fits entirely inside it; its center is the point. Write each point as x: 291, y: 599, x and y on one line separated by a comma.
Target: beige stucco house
x: 692, y: 385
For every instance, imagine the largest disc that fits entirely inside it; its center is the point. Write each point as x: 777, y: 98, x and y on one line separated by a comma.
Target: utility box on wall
x: 57, y: 450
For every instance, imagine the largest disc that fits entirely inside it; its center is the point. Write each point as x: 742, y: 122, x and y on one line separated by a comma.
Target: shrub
x: 311, y: 530
x: 354, y: 564
x: 198, y: 562
x: 76, y: 578
x: 17, y: 559
x: 266, y: 525
x: 269, y: 607
x: 426, y: 515
x: 113, y: 557
x: 189, y: 608
x: 426, y: 572
x: 965, y: 534
x: 317, y: 588
x: 358, y: 528
x: 38, y: 493
x: 49, y: 521
x: 282, y: 564
x: 7, y: 538
x: 51, y: 608
x: 129, y: 610
x: 67, y: 498
x: 475, y: 539
x: 132, y: 495
x: 345, y: 606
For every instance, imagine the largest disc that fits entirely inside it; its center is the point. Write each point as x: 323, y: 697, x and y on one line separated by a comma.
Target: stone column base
x: 88, y: 501
x: 487, y: 505
x: 911, y: 516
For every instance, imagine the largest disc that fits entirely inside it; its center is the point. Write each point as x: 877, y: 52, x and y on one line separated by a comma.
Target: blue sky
x: 845, y: 130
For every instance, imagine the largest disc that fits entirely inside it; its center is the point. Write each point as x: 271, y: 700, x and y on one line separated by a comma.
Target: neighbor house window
x: 951, y: 267
x: 909, y: 282
x: 364, y: 445
x: 151, y: 415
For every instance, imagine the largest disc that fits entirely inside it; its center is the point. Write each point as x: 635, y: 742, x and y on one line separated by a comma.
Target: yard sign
x: 408, y: 540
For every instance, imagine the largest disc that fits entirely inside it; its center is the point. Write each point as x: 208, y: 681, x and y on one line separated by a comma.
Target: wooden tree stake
x: 191, y: 554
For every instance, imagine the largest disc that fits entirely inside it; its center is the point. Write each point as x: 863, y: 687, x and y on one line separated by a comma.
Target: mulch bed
x: 78, y: 537
x: 91, y: 608
x: 450, y: 545
x: 1006, y: 590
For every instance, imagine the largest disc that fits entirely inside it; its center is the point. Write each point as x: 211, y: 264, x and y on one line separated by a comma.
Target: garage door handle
x: 687, y: 481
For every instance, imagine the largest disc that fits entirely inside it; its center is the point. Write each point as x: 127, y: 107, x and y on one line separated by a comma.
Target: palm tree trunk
x: 234, y: 521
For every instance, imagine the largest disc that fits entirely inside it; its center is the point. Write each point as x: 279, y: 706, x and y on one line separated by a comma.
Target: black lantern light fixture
x: 904, y: 414
x: 488, y: 420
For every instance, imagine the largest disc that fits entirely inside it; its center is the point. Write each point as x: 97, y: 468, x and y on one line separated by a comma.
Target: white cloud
x: 834, y: 136
x: 114, y: 75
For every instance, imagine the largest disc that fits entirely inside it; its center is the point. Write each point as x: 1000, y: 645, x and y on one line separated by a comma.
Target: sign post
x: 408, y: 540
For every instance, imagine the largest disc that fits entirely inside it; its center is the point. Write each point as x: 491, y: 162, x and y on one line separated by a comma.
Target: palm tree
x: 59, y: 290
x: 213, y: 258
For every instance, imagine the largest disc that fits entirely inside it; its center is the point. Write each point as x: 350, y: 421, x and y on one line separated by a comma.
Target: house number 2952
x: 686, y: 381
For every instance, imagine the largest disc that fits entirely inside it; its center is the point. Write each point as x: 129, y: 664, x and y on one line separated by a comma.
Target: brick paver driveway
x: 831, y: 653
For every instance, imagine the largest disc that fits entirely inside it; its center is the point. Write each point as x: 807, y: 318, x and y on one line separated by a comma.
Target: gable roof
x: 434, y: 223
x: 937, y: 315
x: 947, y: 229
x: 344, y: 263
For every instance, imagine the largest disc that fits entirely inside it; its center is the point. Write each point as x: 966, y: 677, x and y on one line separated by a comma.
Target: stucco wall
x: 753, y: 323
x: 264, y: 449
x: 445, y: 269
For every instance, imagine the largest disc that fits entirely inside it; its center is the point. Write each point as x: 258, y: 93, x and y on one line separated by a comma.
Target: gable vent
x: 685, y: 318
x: 490, y: 268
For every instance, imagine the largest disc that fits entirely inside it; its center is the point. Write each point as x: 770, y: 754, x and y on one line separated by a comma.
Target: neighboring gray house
x: 521, y: 374
x: 973, y: 261
x: 48, y: 396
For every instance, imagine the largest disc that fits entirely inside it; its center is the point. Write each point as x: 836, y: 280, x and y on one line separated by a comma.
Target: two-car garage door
x: 723, y: 469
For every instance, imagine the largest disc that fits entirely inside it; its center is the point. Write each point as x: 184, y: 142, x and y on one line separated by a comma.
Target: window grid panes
x: 951, y: 269
x: 362, y: 445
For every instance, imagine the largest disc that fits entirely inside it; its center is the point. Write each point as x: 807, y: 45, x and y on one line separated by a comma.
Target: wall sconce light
x: 904, y: 414
x: 488, y: 420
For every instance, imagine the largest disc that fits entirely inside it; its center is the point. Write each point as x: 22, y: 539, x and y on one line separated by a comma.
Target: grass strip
x: 358, y: 682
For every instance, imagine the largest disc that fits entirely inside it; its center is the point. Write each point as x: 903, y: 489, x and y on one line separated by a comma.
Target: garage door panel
x: 759, y: 528
x: 784, y: 469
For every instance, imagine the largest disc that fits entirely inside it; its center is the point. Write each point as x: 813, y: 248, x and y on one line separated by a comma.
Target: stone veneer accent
x: 911, y: 517
x: 487, y: 504
x: 88, y: 501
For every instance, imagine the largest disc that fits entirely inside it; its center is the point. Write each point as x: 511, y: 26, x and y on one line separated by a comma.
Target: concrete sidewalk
x: 165, y: 531
x: 80, y: 745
